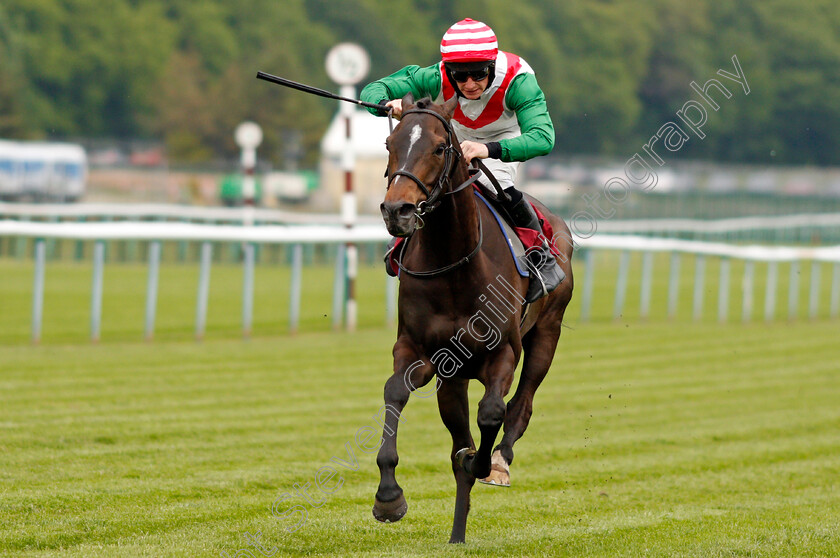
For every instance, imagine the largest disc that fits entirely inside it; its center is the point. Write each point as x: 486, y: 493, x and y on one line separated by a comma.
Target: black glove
x: 384, y: 110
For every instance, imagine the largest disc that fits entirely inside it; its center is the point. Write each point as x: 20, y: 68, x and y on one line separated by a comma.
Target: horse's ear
x: 449, y: 107
x: 407, y: 100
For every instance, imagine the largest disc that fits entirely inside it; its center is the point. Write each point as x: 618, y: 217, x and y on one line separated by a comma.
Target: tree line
x: 613, y: 71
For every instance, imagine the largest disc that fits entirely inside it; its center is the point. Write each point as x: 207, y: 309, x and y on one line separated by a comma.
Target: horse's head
x: 422, y: 152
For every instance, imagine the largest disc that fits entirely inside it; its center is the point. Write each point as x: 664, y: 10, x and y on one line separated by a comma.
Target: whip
x: 314, y: 90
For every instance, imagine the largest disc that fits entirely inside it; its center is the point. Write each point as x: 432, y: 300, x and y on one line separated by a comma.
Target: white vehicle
x: 42, y: 171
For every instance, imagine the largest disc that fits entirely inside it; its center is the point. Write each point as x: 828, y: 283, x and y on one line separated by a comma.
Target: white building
x: 371, y: 158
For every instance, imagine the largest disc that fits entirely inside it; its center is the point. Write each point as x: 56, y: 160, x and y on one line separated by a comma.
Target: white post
x: 621, y: 284
x: 295, y: 289
x: 152, y: 288
x: 814, y: 299
x: 338, y: 287
x: 793, y: 291
x: 699, y: 278
x: 38, y: 289
x: 96, y: 290
x: 647, y: 283
x: 747, y: 290
x: 770, y: 294
x: 203, y: 290
x: 723, y: 292
x: 248, y: 289
x: 834, y: 305
x: 674, y: 285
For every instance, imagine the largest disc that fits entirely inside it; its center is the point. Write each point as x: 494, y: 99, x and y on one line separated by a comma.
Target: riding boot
x: 387, y: 259
x: 546, y: 273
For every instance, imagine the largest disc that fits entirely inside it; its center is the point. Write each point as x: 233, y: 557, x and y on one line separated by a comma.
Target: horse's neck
x: 452, y: 230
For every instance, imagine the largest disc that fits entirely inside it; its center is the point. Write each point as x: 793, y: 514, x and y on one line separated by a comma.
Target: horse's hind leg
x: 538, y: 348
x: 491, y: 416
x: 454, y: 410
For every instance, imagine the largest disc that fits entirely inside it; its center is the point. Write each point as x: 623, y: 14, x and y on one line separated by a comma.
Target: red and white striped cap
x: 469, y: 41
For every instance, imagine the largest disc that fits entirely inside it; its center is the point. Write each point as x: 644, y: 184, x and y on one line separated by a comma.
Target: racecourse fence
x: 156, y: 234
x: 129, y: 250
x: 168, y: 212
x: 807, y: 228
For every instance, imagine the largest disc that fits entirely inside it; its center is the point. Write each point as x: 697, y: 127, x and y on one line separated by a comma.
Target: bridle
x: 450, y: 156
x: 432, y: 201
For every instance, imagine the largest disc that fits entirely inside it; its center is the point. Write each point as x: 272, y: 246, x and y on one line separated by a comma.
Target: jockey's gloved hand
x: 385, y: 108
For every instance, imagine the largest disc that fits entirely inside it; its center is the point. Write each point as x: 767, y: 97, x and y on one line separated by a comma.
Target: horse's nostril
x: 397, y: 211
x: 406, y: 210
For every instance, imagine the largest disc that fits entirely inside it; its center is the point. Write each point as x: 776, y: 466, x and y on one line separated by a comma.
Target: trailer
x: 42, y: 171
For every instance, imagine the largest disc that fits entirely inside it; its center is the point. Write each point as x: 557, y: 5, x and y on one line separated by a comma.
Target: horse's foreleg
x: 454, y: 410
x: 390, y: 504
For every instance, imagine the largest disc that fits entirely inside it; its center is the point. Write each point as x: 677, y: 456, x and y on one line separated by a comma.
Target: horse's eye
x: 440, y: 150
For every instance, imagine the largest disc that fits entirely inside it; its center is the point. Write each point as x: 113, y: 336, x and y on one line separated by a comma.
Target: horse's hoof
x: 389, y: 512
x: 499, y: 471
x: 496, y: 478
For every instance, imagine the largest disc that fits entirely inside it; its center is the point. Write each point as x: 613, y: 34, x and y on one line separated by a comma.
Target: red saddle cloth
x: 532, y: 239
x: 529, y: 238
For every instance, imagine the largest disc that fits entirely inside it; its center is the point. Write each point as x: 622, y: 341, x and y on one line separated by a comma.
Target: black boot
x: 387, y: 259
x: 546, y: 273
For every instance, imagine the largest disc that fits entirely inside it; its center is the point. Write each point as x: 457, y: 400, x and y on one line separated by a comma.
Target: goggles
x: 461, y: 76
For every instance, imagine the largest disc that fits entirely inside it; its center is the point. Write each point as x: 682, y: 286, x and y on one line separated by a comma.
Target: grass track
x: 647, y: 440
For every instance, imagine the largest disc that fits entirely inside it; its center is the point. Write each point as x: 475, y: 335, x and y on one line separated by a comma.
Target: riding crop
x: 314, y: 90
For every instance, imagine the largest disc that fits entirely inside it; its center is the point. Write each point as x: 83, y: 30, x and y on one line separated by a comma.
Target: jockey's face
x: 472, y: 78
x: 472, y: 89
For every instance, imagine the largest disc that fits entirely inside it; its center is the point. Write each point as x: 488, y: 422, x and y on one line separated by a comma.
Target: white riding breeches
x: 505, y: 173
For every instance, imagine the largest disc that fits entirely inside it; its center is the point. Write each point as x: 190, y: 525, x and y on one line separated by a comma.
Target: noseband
x: 450, y: 155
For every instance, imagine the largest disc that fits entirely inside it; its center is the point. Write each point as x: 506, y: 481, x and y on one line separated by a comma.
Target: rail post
x: 152, y: 289
x: 38, y: 289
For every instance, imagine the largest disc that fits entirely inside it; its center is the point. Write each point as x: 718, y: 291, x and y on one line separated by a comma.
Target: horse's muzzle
x: 400, y: 217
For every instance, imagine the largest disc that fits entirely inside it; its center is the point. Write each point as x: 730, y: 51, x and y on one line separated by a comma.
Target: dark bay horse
x: 460, y: 309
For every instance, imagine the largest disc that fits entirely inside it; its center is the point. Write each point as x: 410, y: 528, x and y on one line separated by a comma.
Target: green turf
x: 646, y: 441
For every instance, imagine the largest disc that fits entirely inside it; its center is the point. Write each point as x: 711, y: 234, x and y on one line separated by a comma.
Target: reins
x: 447, y: 268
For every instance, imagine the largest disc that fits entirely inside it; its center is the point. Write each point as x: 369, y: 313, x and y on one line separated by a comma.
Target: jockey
x: 501, y: 117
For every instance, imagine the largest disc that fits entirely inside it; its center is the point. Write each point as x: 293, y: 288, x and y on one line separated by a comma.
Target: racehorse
x: 460, y: 309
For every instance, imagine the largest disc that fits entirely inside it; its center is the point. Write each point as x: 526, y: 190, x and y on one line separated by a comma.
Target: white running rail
x: 158, y: 232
